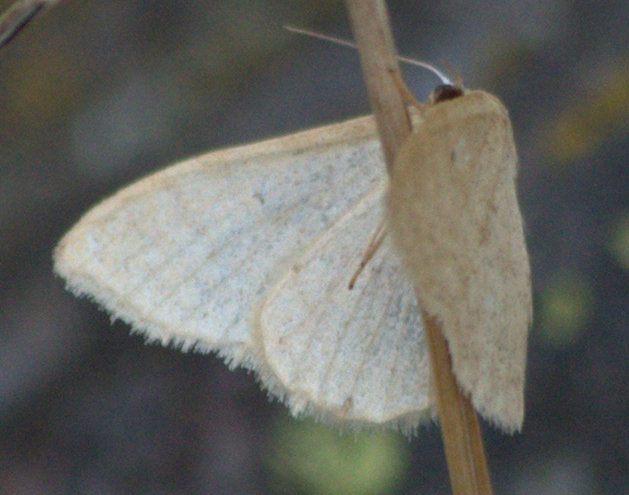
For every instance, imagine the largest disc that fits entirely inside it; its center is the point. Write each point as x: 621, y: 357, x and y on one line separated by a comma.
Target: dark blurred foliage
x: 96, y: 93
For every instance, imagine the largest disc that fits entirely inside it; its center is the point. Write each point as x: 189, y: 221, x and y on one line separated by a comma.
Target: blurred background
x: 95, y: 94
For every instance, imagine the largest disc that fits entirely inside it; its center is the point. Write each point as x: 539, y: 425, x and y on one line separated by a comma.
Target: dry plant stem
x: 460, y: 429
x: 17, y: 16
x: 370, y: 25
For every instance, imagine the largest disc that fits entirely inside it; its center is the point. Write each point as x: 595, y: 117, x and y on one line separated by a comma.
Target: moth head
x: 445, y: 92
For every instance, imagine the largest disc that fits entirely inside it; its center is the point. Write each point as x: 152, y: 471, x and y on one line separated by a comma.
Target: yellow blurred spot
x: 40, y: 90
x: 582, y: 127
x: 310, y: 458
x: 565, y: 309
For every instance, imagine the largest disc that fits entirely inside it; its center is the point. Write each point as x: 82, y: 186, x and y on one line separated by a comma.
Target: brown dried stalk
x: 460, y: 428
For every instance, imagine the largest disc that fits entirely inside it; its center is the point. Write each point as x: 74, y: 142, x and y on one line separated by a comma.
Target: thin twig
x: 370, y: 25
x: 18, y: 15
x: 460, y: 429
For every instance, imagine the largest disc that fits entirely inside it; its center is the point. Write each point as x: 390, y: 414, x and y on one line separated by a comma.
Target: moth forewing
x: 454, y: 216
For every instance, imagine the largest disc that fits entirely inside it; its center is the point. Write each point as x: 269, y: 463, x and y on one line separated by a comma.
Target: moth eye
x: 445, y: 92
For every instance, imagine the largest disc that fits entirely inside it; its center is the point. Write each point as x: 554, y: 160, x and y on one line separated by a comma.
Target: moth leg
x: 375, y: 242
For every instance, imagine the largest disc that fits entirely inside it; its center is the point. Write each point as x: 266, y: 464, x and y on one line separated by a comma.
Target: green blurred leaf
x: 618, y: 243
x: 310, y: 458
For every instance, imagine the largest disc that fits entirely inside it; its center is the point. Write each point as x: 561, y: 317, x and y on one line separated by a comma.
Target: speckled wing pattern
x: 205, y: 254
x: 358, y: 356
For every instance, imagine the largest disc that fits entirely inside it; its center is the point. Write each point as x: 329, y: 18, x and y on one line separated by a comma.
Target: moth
x: 247, y: 252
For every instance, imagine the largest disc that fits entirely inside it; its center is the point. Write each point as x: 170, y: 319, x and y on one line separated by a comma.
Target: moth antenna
x: 418, y: 63
x: 325, y: 37
x: 458, y: 79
